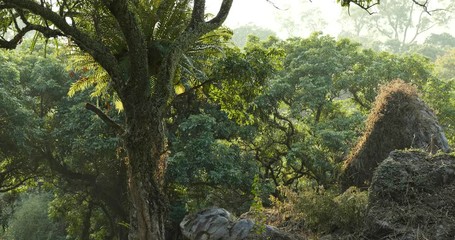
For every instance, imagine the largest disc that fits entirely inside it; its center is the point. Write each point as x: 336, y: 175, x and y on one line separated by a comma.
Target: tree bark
x: 145, y: 145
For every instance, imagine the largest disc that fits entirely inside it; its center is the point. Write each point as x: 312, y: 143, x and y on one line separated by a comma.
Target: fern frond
x: 173, y: 16
x: 117, y: 103
x: 80, y: 85
x: 91, y: 75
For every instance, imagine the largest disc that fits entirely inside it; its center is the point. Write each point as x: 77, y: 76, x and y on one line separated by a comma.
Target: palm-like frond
x: 195, y: 64
x: 171, y: 19
x: 90, y: 73
x: 161, y: 20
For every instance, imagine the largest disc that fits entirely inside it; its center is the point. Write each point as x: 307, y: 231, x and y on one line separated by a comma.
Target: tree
x: 119, y: 36
x: 435, y: 45
x: 17, y: 165
x: 444, y: 40
x: 370, y: 69
x: 303, y: 126
x: 299, y: 18
x: 310, y: 113
x: 440, y: 92
x: 8, y: 206
x: 139, y: 44
x: 83, y: 157
x: 31, y: 220
x: 241, y: 34
x: 399, y: 24
x: 49, y: 138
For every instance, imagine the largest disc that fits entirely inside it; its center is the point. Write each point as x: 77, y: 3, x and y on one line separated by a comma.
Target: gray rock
x: 241, y: 229
x: 211, y: 223
x: 219, y: 224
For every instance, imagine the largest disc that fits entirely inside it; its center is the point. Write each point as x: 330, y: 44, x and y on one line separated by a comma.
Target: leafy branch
x: 97, y: 49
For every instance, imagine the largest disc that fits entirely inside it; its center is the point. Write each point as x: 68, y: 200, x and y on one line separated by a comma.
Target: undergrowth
x: 322, y: 211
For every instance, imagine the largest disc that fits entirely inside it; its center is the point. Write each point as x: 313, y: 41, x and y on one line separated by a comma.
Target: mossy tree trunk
x: 145, y: 95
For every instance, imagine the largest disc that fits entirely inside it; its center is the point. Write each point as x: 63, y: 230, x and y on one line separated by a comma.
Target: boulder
x: 219, y: 224
x: 399, y: 120
x: 412, y: 196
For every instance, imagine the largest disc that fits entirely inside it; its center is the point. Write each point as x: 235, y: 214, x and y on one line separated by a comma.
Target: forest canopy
x: 120, y: 117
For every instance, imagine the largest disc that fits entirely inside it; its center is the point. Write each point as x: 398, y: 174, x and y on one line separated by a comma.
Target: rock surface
x: 219, y: 224
x: 412, y: 196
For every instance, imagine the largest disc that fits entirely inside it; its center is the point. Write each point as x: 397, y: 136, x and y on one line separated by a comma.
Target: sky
x: 268, y: 14
x: 290, y: 13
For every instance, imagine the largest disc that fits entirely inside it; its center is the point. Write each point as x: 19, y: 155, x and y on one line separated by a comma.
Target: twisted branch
x: 111, y: 123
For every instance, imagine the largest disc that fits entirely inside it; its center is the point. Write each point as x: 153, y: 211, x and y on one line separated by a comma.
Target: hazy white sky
x: 265, y: 14
x: 284, y: 16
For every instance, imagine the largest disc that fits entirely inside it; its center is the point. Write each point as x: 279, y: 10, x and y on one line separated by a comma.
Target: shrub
x: 324, y: 211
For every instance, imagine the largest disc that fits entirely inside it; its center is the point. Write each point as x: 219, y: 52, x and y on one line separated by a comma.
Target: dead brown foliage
x: 399, y: 120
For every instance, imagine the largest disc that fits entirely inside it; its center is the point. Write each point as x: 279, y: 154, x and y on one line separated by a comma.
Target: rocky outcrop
x: 398, y: 120
x: 412, y: 196
x: 219, y: 224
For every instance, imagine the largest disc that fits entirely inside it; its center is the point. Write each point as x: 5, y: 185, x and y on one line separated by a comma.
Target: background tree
x: 88, y: 171
x: 8, y: 206
x: 207, y: 165
x: 435, y: 45
x: 18, y: 124
x: 371, y: 69
x: 298, y: 134
x: 299, y: 18
x: 311, y: 112
x: 398, y: 24
x: 441, y: 92
x: 31, y: 220
x: 241, y: 34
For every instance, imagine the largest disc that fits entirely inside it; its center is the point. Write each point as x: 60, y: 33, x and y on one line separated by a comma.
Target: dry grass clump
x: 313, y: 213
x: 398, y: 120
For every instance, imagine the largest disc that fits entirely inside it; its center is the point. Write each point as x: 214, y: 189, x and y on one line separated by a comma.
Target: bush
x: 324, y: 211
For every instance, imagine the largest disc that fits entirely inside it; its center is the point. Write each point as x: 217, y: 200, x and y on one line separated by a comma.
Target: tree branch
x: 197, y: 16
x: 198, y: 26
x: 99, y: 191
x: 362, y: 6
x: 423, y: 5
x: 57, y: 165
x: 17, y: 39
x: 137, y: 46
x: 105, y: 118
x: 12, y: 44
x: 45, y: 30
x: 222, y: 14
x: 14, y: 186
x: 95, y: 48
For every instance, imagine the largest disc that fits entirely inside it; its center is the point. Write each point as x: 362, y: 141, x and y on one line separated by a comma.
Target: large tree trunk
x: 145, y: 104
x: 145, y: 144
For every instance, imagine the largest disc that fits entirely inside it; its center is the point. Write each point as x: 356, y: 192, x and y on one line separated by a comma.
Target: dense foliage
x: 276, y: 117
